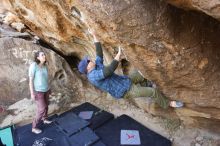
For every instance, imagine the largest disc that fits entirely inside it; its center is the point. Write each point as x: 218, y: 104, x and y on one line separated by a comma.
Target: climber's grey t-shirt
x: 40, y: 76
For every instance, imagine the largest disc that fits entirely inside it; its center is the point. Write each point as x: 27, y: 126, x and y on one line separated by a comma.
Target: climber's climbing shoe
x: 176, y: 104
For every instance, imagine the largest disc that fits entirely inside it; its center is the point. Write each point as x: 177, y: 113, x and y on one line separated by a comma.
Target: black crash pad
x: 53, y: 135
x: 110, y: 133
x: 85, y: 137
x: 24, y: 137
x: 69, y: 123
x: 99, y: 143
x: 99, y: 116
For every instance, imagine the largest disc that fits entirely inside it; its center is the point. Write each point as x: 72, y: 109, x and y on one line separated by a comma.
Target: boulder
x: 178, y: 50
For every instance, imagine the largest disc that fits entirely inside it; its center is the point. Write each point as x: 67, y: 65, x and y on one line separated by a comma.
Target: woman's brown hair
x: 36, y: 54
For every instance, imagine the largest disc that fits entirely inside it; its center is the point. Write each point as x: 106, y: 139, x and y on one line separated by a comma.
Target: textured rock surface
x: 5, y: 6
x: 176, y: 49
x: 210, y: 7
x: 15, y: 57
x: 52, y: 21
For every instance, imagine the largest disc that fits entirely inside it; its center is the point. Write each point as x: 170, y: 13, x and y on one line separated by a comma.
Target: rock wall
x: 210, y: 7
x: 16, y: 56
x: 5, y: 6
x: 176, y: 49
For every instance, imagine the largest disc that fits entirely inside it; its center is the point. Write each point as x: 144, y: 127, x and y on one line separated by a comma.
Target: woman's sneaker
x: 176, y: 104
x: 36, y: 130
x: 45, y: 121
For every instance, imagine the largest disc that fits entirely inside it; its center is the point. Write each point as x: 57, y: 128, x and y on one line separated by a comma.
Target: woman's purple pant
x: 42, y: 101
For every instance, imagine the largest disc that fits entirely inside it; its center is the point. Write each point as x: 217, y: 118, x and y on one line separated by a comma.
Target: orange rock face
x: 176, y: 49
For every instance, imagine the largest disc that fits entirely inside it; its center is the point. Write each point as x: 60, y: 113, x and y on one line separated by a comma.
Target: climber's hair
x: 36, y: 54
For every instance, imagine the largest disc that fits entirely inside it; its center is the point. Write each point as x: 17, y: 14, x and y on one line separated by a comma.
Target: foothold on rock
x: 18, y: 26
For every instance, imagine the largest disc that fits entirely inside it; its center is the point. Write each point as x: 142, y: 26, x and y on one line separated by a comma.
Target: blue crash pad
x: 69, y: 123
x: 99, y: 116
x: 86, y: 137
x: 99, y: 143
x: 24, y: 137
x: 53, y: 134
x: 110, y: 133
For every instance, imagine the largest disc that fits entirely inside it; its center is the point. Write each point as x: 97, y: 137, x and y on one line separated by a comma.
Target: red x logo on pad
x: 130, y: 136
